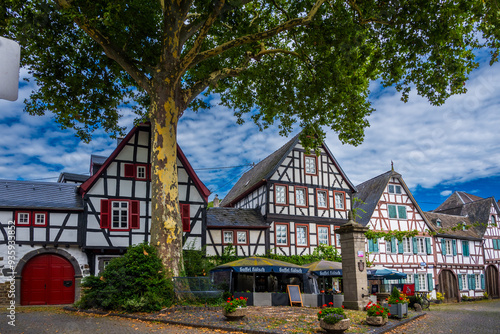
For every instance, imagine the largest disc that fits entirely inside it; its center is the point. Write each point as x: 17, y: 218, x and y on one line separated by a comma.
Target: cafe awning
x: 261, y: 265
x: 325, y: 268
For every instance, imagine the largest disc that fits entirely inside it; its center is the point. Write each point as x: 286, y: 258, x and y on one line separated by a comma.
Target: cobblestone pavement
x: 463, y: 318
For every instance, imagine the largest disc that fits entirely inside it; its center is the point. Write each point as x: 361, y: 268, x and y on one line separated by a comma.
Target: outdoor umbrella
x: 382, y: 272
x: 325, y: 268
x: 261, y: 265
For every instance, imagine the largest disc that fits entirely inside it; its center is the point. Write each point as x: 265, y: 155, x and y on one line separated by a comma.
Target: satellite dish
x: 10, y: 56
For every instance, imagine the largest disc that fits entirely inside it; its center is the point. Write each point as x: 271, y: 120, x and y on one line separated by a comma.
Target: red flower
x: 324, y: 305
x: 389, y: 305
x: 378, y: 312
x: 330, y: 303
x: 388, y: 314
x: 378, y: 306
x: 319, y: 312
x: 342, y: 306
x: 322, y: 291
x: 400, y: 297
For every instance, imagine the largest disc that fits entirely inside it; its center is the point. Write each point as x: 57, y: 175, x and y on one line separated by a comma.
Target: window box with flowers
x: 235, y: 308
x: 397, y: 304
x: 333, y: 319
x: 376, y: 315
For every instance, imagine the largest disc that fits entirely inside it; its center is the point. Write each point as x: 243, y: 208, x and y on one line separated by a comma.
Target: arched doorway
x: 48, y: 279
x: 448, y: 286
x: 492, y: 281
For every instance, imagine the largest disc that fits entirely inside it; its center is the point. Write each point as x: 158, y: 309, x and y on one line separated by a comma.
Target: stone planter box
x: 237, y: 314
x: 280, y: 299
x: 376, y: 320
x: 310, y: 300
x: 248, y: 295
x: 397, y: 310
x: 262, y: 299
x: 339, y: 327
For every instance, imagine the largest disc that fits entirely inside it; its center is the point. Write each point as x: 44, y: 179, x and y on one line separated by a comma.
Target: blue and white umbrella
x: 380, y: 272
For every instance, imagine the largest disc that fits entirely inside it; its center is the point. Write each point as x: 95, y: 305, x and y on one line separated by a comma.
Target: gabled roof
x: 180, y: 155
x: 448, y: 222
x: 479, y: 213
x: 453, y: 204
x: 39, y: 195
x: 235, y: 218
x: 370, y: 192
x: 71, y: 177
x: 266, y: 168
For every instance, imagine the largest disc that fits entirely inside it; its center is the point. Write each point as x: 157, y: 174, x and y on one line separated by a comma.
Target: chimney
x: 216, y: 201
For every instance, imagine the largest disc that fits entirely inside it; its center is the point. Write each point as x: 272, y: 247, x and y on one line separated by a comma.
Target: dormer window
x: 464, y: 228
x: 493, y: 221
x: 394, y: 189
x: 438, y: 223
x: 311, y: 165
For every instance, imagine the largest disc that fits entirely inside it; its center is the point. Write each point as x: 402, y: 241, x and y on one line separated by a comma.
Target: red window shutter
x: 185, y: 216
x: 135, y: 220
x: 148, y: 171
x: 105, y: 214
x: 129, y: 170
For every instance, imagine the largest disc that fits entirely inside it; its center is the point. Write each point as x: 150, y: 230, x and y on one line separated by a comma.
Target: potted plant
x: 397, y: 304
x: 439, y: 297
x: 376, y: 315
x: 235, y: 308
x: 333, y: 319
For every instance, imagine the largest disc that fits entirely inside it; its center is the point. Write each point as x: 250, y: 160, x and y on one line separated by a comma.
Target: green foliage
x: 485, y: 295
x: 331, y: 315
x: 195, y: 262
x: 397, y: 297
x: 399, y: 235
x: 133, y: 282
x: 439, y: 296
x: 375, y: 310
x: 232, y: 304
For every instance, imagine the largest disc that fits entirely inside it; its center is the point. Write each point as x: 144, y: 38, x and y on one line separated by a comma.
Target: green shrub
x: 332, y: 315
x: 135, y: 282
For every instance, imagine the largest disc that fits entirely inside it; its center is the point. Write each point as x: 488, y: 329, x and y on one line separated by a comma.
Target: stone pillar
x: 352, y: 241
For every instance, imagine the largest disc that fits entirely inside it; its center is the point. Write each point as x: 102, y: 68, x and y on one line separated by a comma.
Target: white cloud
x: 446, y: 193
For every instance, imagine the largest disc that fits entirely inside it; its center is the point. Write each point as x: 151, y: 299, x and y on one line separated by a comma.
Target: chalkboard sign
x: 294, y: 294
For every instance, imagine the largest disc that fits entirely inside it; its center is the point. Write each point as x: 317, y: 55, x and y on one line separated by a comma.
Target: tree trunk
x: 166, y: 226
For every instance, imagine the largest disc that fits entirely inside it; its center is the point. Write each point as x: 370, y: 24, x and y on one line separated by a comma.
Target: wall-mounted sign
x: 361, y: 253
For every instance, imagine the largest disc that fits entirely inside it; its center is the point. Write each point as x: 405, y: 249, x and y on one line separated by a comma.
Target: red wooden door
x: 48, y: 279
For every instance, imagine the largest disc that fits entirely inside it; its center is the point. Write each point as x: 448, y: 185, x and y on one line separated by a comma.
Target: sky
x: 438, y: 150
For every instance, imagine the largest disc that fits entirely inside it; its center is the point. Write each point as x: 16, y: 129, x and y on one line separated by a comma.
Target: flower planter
x: 339, y: 327
x: 236, y: 314
x: 398, y: 310
x: 248, y: 295
x: 376, y: 320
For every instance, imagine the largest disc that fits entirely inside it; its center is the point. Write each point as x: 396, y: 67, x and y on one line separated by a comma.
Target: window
x: 422, y: 282
x: 322, y: 197
x: 373, y: 245
x: 465, y: 248
x: 390, y: 246
x: 310, y: 165
x: 397, y: 211
x: 23, y: 218
x: 323, y: 235
x: 394, y: 189
x: 477, y: 281
x: 241, y: 237
x: 120, y: 214
x: 462, y: 282
x: 438, y: 223
x: 406, y: 245
x: 228, y: 237
x: 337, y: 239
x: 301, y: 235
x: 301, y: 196
x: 280, y: 195
x: 137, y: 171
x: 141, y: 172
x: 449, y: 247
x: 339, y: 201
x: 493, y: 221
x: 421, y: 245
x: 40, y: 219
x: 281, y: 234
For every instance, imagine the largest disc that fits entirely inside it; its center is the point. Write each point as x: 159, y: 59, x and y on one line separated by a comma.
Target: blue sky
x: 438, y: 150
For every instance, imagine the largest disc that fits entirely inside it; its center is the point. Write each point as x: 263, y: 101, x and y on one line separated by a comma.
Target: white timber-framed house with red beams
x: 70, y: 229
x: 292, y: 202
x: 386, y: 204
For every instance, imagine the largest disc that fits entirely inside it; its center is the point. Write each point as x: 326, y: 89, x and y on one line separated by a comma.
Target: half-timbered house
x: 386, y: 204
x: 302, y: 197
x: 66, y: 230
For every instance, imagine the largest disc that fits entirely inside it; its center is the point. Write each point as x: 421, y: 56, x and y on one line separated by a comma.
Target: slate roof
x: 453, y: 204
x: 370, y: 192
x: 448, y: 222
x: 265, y: 169
x: 98, y: 159
x: 236, y: 218
x: 72, y: 177
x: 39, y: 195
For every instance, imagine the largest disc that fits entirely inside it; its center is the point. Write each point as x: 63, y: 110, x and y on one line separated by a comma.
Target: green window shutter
x: 415, y: 279
x: 370, y: 245
x: 375, y: 245
x: 392, y: 211
x: 454, y: 244
x: 460, y: 284
x: 443, y: 246
x: 430, y: 282
x: 472, y: 282
x: 482, y: 281
x: 402, y: 212
x: 415, y: 248
x: 495, y: 244
x: 465, y: 246
x: 428, y: 245
x: 400, y: 247
x: 393, y: 245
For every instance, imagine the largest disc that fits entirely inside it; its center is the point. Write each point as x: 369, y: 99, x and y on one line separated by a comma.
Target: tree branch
x: 361, y: 19
x: 290, y: 24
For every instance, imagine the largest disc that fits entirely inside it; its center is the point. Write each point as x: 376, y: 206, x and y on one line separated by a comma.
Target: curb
x: 385, y: 329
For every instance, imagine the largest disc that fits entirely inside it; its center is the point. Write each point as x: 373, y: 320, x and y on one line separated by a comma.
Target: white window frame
x: 310, y: 168
x: 301, y: 237
x: 421, y: 246
x: 407, y: 245
x: 123, y: 212
x: 23, y: 222
x: 422, y: 282
x: 240, y: 233
x: 448, y: 243
x: 42, y: 222
x: 302, y: 197
x: 396, y: 189
x: 226, y: 240
x: 465, y: 282
x: 140, y: 172
x: 280, y: 195
x: 322, y: 232
x: 321, y: 204
x: 281, y: 234
x: 339, y: 205
x: 477, y: 278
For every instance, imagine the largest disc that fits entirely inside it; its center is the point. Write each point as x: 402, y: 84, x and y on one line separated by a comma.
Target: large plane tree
x: 307, y: 63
